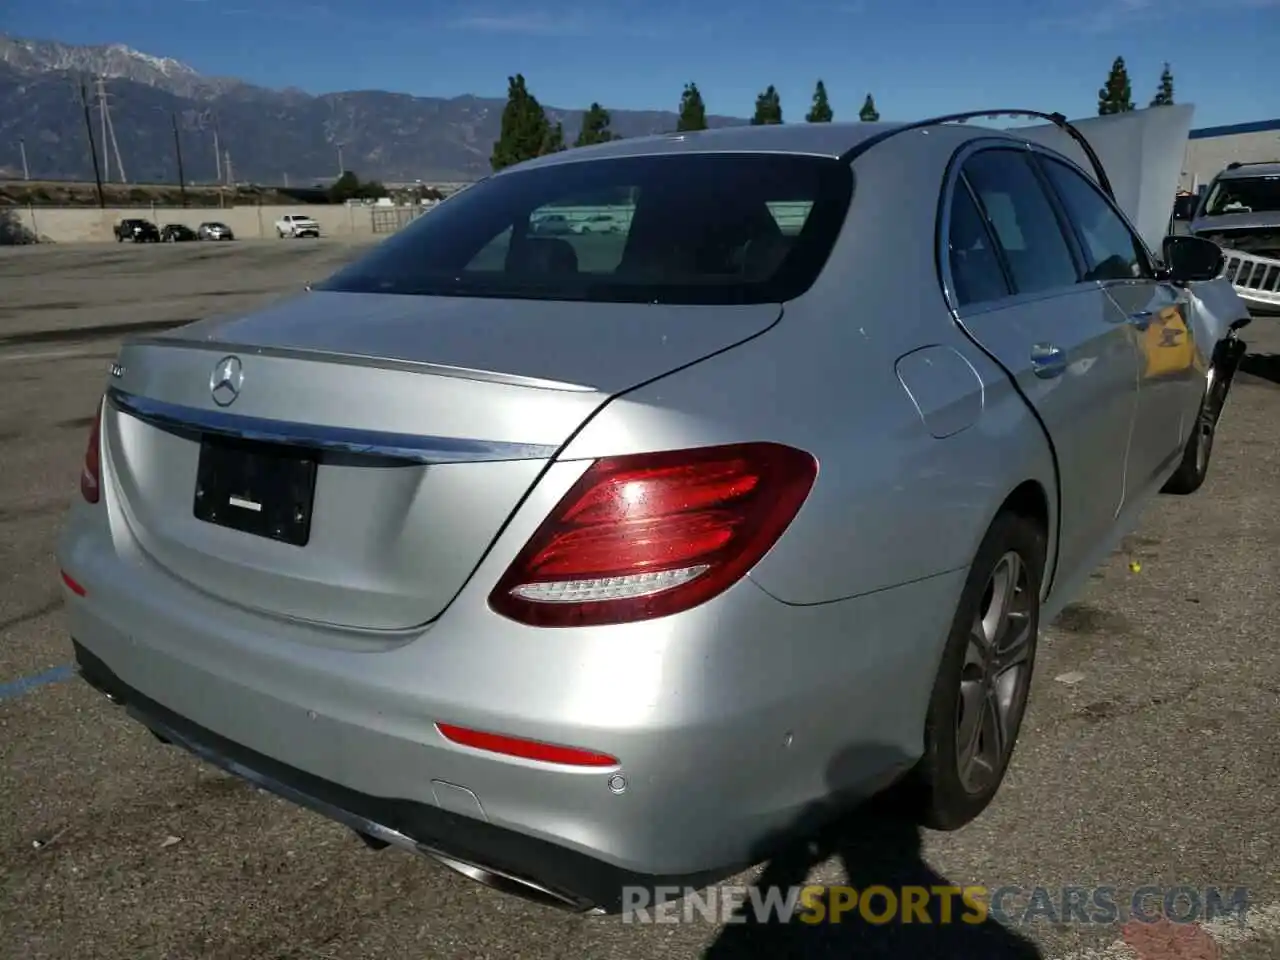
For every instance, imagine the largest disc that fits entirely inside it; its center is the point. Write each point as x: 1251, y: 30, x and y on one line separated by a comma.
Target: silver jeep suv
x: 1241, y: 213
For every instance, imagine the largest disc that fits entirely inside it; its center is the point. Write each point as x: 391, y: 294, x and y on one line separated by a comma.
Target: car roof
x: 1251, y: 170
x: 814, y: 139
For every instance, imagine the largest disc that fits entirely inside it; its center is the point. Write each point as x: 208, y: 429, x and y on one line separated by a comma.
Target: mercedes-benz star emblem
x: 226, y: 380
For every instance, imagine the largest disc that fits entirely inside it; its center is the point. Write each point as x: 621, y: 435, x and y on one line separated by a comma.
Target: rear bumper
x: 734, y: 723
x: 499, y: 857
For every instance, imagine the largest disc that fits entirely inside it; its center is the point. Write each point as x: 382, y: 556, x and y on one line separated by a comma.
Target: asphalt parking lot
x: 1149, y: 758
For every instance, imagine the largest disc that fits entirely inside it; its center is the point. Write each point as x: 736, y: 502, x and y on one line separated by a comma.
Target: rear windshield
x: 681, y: 228
x: 1244, y: 195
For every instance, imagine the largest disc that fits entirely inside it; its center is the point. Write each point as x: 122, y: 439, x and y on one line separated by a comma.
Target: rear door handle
x: 1048, y: 361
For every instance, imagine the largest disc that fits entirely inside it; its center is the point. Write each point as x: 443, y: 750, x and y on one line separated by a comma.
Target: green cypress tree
x: 693, y: 112
x: 553, y: 141
x: 820, y: 112
x: 1117, y: 95
x: 768, y: 108
x: 525, y: 131
x: 1164, y: 94
x: 595, y: 127
x: 869, y: 113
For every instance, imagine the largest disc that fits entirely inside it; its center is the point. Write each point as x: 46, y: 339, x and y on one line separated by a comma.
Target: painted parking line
x: 16, y: 688
x: 1258, y: 923
x: 68, y: 353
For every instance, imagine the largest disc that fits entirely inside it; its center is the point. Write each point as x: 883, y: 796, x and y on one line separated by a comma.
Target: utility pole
x: 177, y: 146
x: 226, y: 167
x: 341, y: 168
x: 22, y: 148
x: 93, y: 149
x: 104, y: 108
x: 217, y: 152
x: 102, y: 118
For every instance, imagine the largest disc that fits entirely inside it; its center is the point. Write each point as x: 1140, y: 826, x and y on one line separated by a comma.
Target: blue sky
x: 918, y: 57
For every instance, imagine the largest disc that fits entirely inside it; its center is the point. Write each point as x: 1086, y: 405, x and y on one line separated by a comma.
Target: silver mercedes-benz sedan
x: 611, y: 559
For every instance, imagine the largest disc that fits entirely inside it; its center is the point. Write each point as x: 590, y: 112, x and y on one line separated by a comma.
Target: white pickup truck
x: 296, y: 225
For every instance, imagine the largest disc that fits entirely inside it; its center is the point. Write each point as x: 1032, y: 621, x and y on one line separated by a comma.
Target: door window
x: 1111, y: 250
x: 1022, y: 218
x: 976, y: 274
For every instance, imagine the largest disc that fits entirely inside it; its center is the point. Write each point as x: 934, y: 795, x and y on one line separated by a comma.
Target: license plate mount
x: 262, y: 489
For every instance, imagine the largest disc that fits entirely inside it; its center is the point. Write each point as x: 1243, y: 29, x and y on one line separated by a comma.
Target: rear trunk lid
x: 430, y: 419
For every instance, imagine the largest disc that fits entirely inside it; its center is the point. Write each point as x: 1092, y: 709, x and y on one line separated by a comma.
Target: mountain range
x: 272, y: 136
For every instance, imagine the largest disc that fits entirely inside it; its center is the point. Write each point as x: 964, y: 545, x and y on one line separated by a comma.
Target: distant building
x: 1210, y: 149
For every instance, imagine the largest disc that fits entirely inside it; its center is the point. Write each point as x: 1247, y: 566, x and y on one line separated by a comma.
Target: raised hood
x: 1142, y: 152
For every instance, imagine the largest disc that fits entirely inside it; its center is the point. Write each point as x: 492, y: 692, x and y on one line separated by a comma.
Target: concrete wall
x: 1206, y: 157
x: 90, y: 224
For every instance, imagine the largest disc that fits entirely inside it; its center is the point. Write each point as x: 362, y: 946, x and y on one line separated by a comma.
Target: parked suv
x: 297, y: 225
x: 139, y: 231
x: 1241, y: 213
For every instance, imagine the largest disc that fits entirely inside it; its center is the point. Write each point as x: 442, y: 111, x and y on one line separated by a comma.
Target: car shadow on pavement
x: 879, y: 845
x: 1264, y: 366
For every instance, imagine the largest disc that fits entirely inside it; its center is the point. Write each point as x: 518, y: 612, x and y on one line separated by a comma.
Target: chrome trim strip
x: 180, y: 340
x: 410, y: 448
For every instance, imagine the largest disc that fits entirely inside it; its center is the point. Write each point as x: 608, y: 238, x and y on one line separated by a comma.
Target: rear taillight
x: 91, y: 473
x: 651, y: 535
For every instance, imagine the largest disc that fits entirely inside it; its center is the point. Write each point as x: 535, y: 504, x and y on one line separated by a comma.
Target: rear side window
x: 1023, y: 220
x: 676, y: 228
x: 1112, y: 250
x: 976, y: 274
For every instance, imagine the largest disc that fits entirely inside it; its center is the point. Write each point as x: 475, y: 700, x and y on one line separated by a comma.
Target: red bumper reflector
x: 74, y: 587
x: 525, y: 749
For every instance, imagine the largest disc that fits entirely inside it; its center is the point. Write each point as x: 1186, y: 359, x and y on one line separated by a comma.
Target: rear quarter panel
x: 892, y: 503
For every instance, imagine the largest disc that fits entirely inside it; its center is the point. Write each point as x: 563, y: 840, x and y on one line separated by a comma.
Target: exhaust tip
x: 102, y: 688
x: 373, y: 843
x: 504, y: 882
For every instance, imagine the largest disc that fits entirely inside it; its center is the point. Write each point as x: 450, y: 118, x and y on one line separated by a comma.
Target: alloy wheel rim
x: 1208, y: 420
x: 994, y: 677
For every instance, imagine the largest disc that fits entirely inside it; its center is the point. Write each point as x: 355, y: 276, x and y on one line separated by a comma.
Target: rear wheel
x: 980, y: 694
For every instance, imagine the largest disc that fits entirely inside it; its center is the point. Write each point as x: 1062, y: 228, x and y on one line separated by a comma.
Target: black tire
x: 1194, y: 468
x: 936, y: 790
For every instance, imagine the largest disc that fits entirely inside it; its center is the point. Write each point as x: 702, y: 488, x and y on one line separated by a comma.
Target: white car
x: 296, y: 225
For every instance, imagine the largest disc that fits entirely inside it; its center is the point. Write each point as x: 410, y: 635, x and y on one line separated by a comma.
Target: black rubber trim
x: 1057, y: 119
x: 585, y: 878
